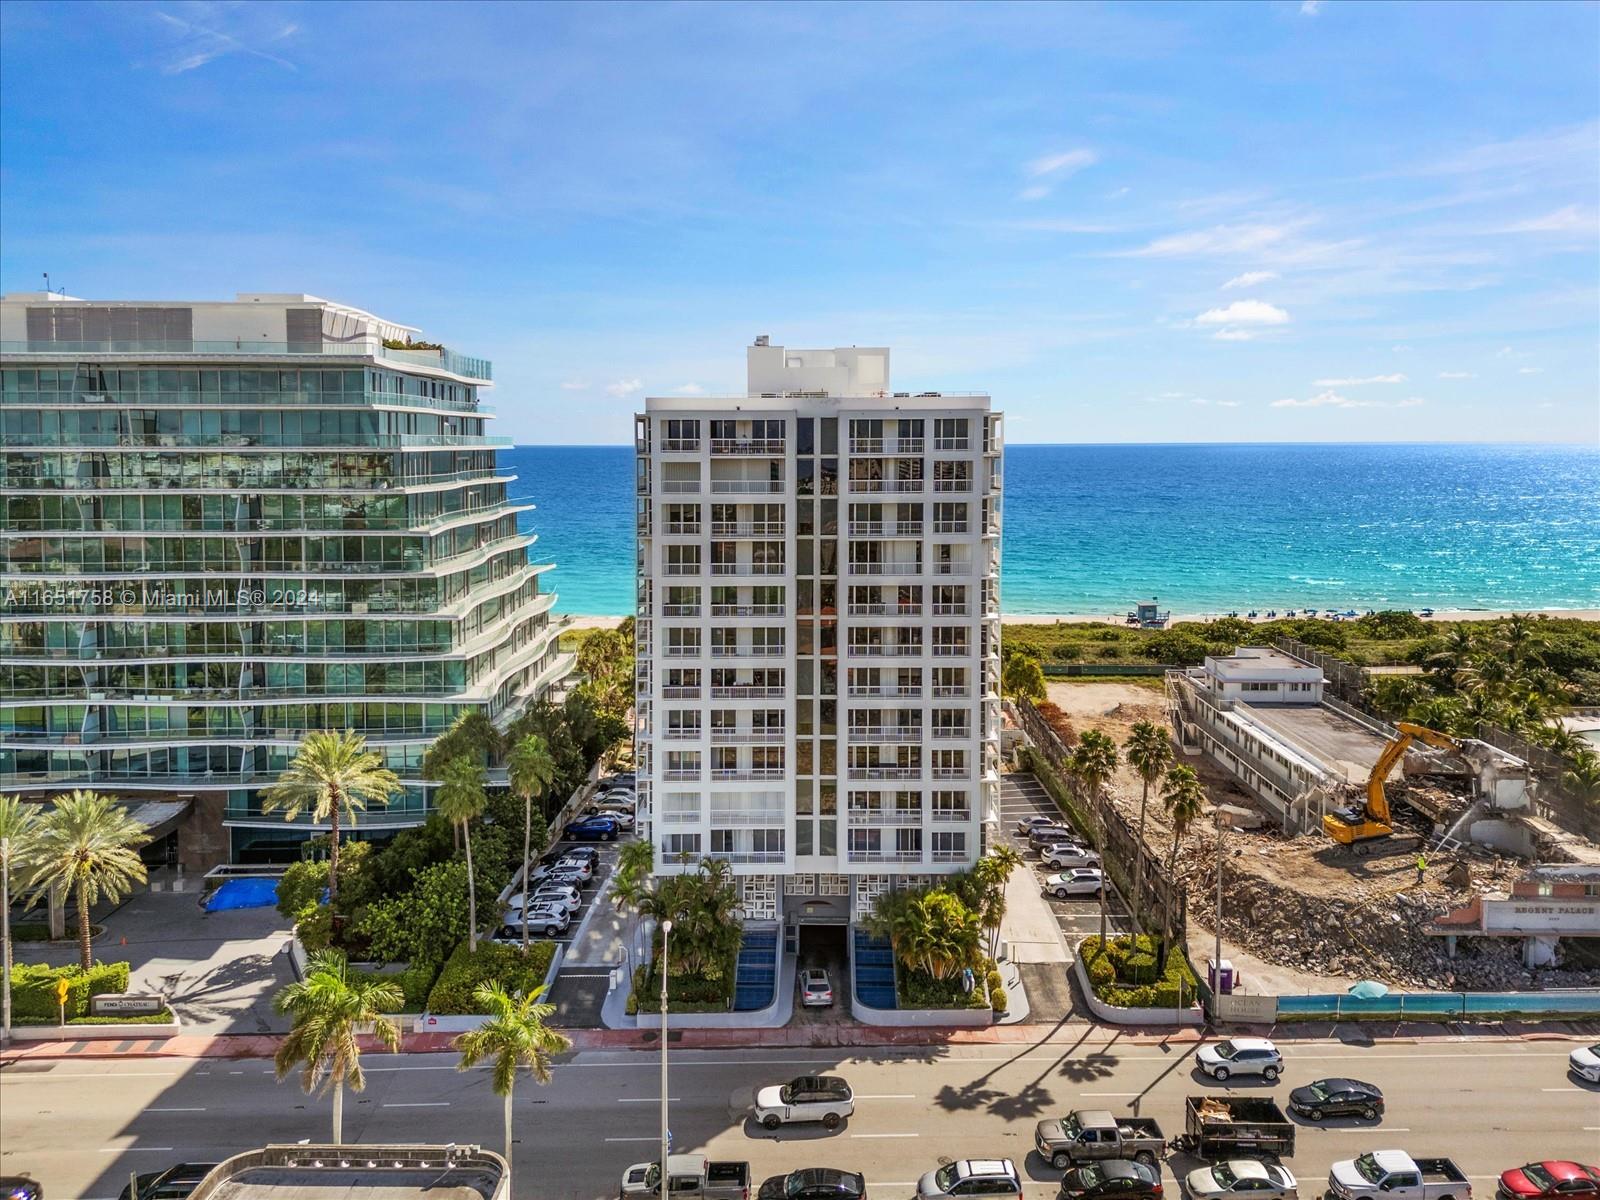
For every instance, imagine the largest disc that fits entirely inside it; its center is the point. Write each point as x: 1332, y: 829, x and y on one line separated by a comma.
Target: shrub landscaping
x: 685, y: 993
x: 1123, y: 973
x: 464, y: 971
x: 33, y: 989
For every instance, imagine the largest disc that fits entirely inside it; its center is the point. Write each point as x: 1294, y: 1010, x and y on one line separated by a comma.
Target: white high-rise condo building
x: 819, y: 630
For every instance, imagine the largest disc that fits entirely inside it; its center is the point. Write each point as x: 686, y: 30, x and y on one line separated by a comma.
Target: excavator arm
x: 1377, y: 800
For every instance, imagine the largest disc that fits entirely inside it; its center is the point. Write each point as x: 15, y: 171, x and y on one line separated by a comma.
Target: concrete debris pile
x: 1282, y: 904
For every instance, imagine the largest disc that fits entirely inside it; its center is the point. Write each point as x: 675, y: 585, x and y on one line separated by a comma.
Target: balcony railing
x: 681, y: 774
x: 952, y: 772
x: 873, y: 856
x: 763, y: 446
x: 878, y: 816
x: 691, y: 650
x: 950, y: 526
x: 887, y: 485
x: 956, y: 651
x: 747, y: 610
x: 882, y: 733
x: 952, y: 485
x: 747, y: 652
x: 952, y: 568
x: 727, y: 737
x: 680, y: 445
x: 747, y: 529
x: 747, y: 856
x: 684, y: 487
x: 881, y: 689
x: 909, y: 445
x: 894, y: 569
x: 885, y: 772
x: 747, y: 691
x: 885, y: 610
x: 682, y: 528
x: 762, y: 773
x: 741, y: 816
x: 680, y: 693
x: 952, y: 443
x: 680, y: 610
x: 952, y: 816
x: 950, y: 690
x: 673, y: 568
x: 876, y: 651
x: 866, y: 445
x: 949, y: 610
x: 691, y: 734
x: 752, y: 486
x: 941, y: 856
x: 767, y: 568
x: 952, y: 731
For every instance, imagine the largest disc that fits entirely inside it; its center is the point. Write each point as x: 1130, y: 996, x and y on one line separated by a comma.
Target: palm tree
x: 530, y: 771
x: 334, y: 777
x: 514, y: 1036
x: 1149, y: 752
x: 461, y: 800
x: 989, y: 875
x: 1454, y: 652
x: 329, y: 1007
x: 1582, y: 779
x: 1520, y: 638
x: 1094, y: 762
x: 1182, y: 797
x: 19, y: 839
x: 88, y: 844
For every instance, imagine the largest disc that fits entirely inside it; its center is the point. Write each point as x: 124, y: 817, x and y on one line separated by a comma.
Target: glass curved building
x: 225, y: 524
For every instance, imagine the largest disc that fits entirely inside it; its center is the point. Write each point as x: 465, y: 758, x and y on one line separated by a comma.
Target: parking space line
x: 885, y: 1135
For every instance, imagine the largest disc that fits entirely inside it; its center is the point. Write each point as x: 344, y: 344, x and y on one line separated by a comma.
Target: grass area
x: 1123, y: 973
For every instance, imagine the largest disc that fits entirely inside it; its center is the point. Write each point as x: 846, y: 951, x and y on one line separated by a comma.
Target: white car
x: 1240, y: 1056
x: 1241, y: 1177
x: 552, y: 895
x: 824, y: 1098
x: 566, y: 866
x: 971, y: 1177
x: 1584, y: 1062
x: 1080, y: 881
x: 816, y: 990
x: 1069, y: 854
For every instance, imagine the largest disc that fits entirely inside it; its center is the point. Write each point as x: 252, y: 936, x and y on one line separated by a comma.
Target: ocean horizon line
x: 1128, y: 445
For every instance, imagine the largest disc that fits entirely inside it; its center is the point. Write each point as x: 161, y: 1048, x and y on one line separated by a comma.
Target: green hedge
x: 415, y: 984
x: 33, y: 988
x: 685, y: 993
x: 463, y: 972
x: 1123, y: 973
x: 918, y: 989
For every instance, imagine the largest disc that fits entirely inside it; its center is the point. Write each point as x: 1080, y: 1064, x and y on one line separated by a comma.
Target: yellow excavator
x: 1355, y: 826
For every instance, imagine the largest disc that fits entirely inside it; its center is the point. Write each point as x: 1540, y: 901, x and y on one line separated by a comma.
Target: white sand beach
x: 1121, y: 619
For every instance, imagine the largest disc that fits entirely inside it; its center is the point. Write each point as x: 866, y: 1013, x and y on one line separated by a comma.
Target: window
x: 683, y: 560
x: 675, y: 844
x: 949, y: 846
x: 681, y: 434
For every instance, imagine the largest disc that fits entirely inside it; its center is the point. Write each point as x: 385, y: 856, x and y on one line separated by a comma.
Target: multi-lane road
x: 80, y: 1126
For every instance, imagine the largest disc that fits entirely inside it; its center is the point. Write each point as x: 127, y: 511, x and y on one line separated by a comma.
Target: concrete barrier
x: 921, y: 1018
x: 1113, y: 1015
x: 74, y: 1033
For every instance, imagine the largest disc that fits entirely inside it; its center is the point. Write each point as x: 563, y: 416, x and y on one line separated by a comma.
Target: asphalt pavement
x: 81, y: 1126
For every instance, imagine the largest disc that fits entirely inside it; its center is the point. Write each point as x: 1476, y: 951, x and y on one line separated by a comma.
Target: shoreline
x: 1120, y: 621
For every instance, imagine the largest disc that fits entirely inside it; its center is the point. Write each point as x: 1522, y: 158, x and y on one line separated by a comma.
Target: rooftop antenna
x: 47, y: 284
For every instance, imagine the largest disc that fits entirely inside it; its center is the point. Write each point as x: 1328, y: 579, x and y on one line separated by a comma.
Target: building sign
x: 1541, y: 916
x: 1247, y: 1010
x: 126, y: 1004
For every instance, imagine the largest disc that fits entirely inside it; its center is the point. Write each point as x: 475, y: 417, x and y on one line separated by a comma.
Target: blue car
x: 593, y: 829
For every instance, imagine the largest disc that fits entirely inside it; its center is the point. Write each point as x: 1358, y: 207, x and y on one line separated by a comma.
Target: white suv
x: 824, y: 1098
x: 1241, y: 1056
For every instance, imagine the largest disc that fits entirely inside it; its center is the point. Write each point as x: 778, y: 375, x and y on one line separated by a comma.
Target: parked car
x: 1027, y: 824
x: 593, y: 829
x: 1549, y: 1180
x: 175, y: 1183
x: 1240, y: 1056
x: 1080, y: 881
x: 1584, y: 1062
x: 1337, y: 1098
x: 552, y: 894
x: 623, y: 817
x: 689, y: 1177
x: 816, y: 989
x: 584, y: 854
x: 1088, y: 1135
x: 1242, y: 1179
x: 617, y: 802
x: 814, y: 1183
x: 1111, y: 1179
x: 1041, y: 836
x: 548, y: 919
x: 824, y: 1098
x: 971, y: 1177
x: 18, y: 1187
x: 573, y: 865
x: 1395, y: 1175
x: 1069, y: 854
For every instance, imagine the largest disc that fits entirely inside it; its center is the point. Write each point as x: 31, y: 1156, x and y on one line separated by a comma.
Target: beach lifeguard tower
x: 1149, y: 616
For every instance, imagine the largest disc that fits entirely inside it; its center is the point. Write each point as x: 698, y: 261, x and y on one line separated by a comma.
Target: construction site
x: 1322, y: 812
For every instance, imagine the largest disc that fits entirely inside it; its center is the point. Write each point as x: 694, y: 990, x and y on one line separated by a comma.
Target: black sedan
x: 1113, y: 1179
x: 1337, y: 1098
x: 175, y: 1183
x: 814, y: 1183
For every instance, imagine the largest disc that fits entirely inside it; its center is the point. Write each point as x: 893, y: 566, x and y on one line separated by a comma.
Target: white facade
x: 818, y: 628
x: 1258, y: 675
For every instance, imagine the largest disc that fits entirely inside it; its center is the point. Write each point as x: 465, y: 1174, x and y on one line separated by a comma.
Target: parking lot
x: 1022, y: 795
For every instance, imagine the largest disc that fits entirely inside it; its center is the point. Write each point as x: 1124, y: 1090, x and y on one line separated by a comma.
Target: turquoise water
x: 1091, y: 529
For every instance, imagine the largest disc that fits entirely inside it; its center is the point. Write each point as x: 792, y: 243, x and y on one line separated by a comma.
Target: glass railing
x: 443, y: 359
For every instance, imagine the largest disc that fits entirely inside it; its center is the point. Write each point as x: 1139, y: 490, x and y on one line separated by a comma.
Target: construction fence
x: 1160, y: 900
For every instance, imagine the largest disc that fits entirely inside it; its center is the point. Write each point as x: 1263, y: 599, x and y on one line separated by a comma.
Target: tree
x: 1093, y: 763
x: 1582, y: 779
x: 1520, y: 639
x: 334, y: 777
x: 531, y: 771
x: 19, y: 841
x: 1023, y: 677
x: 1183, y: 796
x: 1149, y: 752
x: 986, y: 889
x: 461, y: 800
x: 514, y: 1036
x: 88, y: 844
x: 472, y: 735
x: 328, y: 1008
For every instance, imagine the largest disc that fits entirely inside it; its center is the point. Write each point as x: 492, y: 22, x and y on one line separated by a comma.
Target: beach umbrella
x: 1369, y: 989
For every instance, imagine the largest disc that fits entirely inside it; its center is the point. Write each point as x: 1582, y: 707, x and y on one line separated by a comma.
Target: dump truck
x: 1218, y: 1127
x: 1091, y: 1134
x: 690, y: 1177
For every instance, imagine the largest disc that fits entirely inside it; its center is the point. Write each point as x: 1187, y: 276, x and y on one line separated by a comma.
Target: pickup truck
x: 1091, y: 1134
x: 1395, y: 1175
x: 1218, y: 1127
x: 690, y: 1177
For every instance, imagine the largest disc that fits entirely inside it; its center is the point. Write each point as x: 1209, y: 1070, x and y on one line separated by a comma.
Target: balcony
x: 690, y: 734
x: 886, y: 485
x: 747, y: 816
x: 950, y: 856
x: 747, y: 691
x: 950, y: 691
x: 747, y: 773
x: 952, y: 485
x: 745, y: 486
x: 912, y: 650
x: 866, y: 445
x: 680, y: 610
x: 690, y: 650
x: 884, y: 733
x: 885, y: 773
x: 747, y: 856
x: 952, y: 772
x: 952, y: 443
x: 747, y: 652
x: 691, y: 568
x: 958, y: 732
x: 881, y: 689
x: 952, y: 816
x: 891, y: 570
x: 680, y: 693
x: 885, y: 528
x: 881, y: 856
x: 681, y: 774
x: 681, y: 487
x: 949, y: 610
x: 952, y: 568
x: 731, y: 737
x: 747, y: 529
x: 680, y: 445
x: 885, y: 610
x: 761, y: 446
x: 682, y: 528
x: 950, y: 527
x: 879, y: 816
x: 960, y: 650
x: 748, y: 569
x: 747, y: 610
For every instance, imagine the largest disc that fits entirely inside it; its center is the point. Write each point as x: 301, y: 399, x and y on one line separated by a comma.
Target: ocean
x: 1215, y: 528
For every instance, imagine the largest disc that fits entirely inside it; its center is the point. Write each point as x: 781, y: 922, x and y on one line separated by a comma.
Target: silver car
x: 816, y: 989
x: 1241, y: 1179
x: 971, y: 1177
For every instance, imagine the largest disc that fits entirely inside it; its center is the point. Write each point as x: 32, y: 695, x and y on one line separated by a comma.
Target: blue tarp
x: 243, y: 893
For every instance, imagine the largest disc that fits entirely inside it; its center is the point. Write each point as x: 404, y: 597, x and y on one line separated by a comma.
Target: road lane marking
x: 885, y: 1135
x: 886, y: 1096
x: 1359, y: 1129
x: 653, y: 1099
x: 643, y: 1139
x: 46, y: 1077
x: 419, y: 1104
x: 132, y: 1149
x: 1110, y: 1093
x: 174, y: 1110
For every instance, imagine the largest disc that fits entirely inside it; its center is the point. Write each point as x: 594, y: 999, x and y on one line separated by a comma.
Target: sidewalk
x: 1261, y: 978
x: 189, y: 1046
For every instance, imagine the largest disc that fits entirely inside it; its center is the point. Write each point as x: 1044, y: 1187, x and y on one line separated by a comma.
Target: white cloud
x: 1411, y: 402
x: 1218, y: 240
x: 1457, y: 375
x: 689, y: 389
x: 1118, y: 194
x: 1361, y: 382
x: 1244, y: 312
x: 1061, y: 164
x: 1530, y: 370
x: 1234, y: 335
x: 1332, y: 399
x: 201, y: 44
x: 1570, y: 219
x: 1227, y: 404
x: 1310, y: 8
x: 1505, y: 352
x: 575, y: 385
x: 1037, y: 192
x: 1249, y: 279
x: 624, y: 388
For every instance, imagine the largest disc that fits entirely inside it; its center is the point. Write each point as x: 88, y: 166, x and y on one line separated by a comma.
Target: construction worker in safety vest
x: 1422, y: 866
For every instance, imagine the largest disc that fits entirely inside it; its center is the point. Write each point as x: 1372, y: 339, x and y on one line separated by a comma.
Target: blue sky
x: 1279, y: 221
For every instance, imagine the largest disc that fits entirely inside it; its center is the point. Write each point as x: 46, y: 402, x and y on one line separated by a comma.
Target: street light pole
x: 1216, y: 983
x: 666, y: 930
x: 5, y: 939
